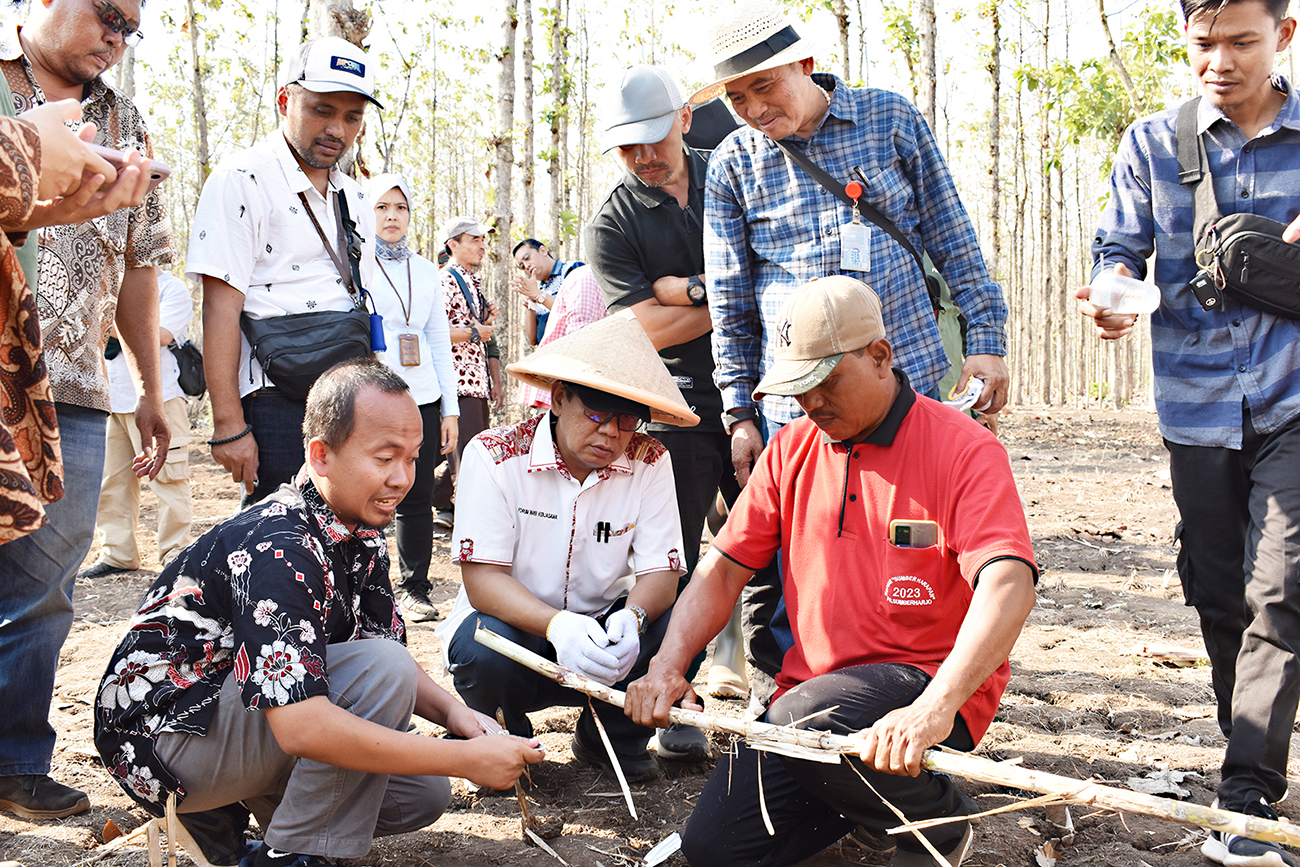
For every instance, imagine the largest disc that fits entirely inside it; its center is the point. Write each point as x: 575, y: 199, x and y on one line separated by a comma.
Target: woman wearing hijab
x: 407, y: 293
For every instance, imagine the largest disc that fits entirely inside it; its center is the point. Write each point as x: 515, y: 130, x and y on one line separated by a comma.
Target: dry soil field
x: 1083, y: 701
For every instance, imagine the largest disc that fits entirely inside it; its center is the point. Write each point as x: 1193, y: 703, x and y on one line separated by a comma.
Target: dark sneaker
x: 444, y: 519
x: 905, y: 858
x: 1234, y: 851
x: 266, y: 856
x: 416, y: 606
x: 873, y: 847
x: 635, y: 768
x: 36, y: 796
x: 215, y: 838
x: 682, y: 743
x: 100, y: 569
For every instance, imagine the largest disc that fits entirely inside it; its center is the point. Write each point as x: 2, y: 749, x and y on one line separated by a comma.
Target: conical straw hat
x: 612, y: 355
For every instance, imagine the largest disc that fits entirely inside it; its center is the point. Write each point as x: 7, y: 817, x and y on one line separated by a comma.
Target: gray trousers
x: 304, y: 806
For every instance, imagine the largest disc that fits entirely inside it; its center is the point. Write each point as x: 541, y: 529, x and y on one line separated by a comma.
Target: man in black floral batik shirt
x: 266, y: 669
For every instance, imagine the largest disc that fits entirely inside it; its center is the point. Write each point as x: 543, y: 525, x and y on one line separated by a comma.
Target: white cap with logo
x: 821, y: 321
x: 332, y: 65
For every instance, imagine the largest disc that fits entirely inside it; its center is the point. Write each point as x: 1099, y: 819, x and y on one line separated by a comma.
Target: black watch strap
x: 733, y: 417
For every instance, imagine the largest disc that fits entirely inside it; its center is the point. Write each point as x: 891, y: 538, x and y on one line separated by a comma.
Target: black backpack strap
x: 1194, y: 168
x: 1191, y: 151
x: 350, y: 238
x: 866, y: 209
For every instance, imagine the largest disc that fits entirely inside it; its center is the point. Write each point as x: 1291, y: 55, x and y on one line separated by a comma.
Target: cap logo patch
x: 347, y: 64
x: 783, y: 334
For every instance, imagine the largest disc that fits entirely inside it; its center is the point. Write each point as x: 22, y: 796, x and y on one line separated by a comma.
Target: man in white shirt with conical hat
x: 568, y: 537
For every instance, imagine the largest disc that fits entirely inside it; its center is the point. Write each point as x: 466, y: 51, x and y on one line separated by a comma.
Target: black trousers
x: 414, y: 524
x: 474, y: 419
x: 701, y: 469
x: 1239, y: 563
x: 812, y: 804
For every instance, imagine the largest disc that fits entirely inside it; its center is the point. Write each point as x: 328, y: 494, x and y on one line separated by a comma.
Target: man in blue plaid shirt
x: 769, y: 227
x: 1227, y: 389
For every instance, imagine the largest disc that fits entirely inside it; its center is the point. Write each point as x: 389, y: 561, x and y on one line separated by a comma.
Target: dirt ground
x: 1083, y: 701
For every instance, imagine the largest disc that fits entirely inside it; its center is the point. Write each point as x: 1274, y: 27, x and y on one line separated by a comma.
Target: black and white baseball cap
x: 332, y: 65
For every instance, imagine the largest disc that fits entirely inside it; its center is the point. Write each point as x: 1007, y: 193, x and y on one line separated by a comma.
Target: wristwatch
x: 695, y: 291
x: 641, y: 618
x: 733, y: 417
x: 474, y: 336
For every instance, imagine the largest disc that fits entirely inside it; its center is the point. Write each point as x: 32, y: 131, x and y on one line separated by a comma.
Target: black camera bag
x: 1242, y: 254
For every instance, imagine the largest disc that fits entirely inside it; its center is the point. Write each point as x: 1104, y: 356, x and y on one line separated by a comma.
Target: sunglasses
x: 115, y: 21
x: 626, y: 423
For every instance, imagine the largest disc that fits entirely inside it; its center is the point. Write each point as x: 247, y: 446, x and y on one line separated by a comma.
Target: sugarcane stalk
x: 962, y: 764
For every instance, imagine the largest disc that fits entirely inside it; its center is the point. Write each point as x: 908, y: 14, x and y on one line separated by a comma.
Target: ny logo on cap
x: 783, y: 334
x: 347, y: 64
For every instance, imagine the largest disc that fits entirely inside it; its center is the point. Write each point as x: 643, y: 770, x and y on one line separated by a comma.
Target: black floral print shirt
x: 258, y: 596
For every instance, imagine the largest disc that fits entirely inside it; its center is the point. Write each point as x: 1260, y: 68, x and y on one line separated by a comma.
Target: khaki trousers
x: 119, y: 495
x: 305, y: 806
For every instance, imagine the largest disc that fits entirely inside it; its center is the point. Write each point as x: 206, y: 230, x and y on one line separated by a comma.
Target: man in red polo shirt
x: 908, y: 573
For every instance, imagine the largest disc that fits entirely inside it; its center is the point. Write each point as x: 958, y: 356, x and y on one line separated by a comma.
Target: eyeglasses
x: 115, y: 21
x: 626, y: 423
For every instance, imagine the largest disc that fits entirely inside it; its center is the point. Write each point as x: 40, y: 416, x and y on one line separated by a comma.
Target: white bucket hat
x: 612, y: 355
x: 750, y: 37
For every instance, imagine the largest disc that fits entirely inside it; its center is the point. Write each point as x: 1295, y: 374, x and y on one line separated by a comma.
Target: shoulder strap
x: 464, y: 290
x: 348, y: 283
x: 349, y: 238
x: 1194, y: 168
x: 1191, y: 151
x: 868, y: 210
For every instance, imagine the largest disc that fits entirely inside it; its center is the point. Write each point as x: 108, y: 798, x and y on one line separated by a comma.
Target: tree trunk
x: 124, y: 73
x: 841, y: 13
x: 200, y: 102
x: 528, y: 157
x: 1118, y: 62
x: 502, y: 142
x: 337, y: 18
x: 1046, y: 288
x: 555, y: 170
x: 927, y: 89
x: 995, y: 144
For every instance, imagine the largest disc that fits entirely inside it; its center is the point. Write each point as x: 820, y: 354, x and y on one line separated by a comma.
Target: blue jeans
x: 277, y: 427
x: 37, y: 572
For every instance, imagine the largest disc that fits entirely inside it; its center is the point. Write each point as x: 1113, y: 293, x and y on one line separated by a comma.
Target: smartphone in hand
x: 158, y: 171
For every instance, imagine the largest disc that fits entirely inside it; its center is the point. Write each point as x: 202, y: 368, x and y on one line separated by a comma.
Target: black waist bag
x: 295, y: 350
x: 1246, y: 256
x: 189, y: 361
x: 1243, y: 254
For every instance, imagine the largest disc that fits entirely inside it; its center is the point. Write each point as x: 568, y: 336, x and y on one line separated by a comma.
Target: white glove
x: 625, y: 644
x: 580, y: 645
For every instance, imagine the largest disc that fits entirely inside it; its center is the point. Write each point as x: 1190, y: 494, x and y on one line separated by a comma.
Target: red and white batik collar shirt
x: 578, y: 546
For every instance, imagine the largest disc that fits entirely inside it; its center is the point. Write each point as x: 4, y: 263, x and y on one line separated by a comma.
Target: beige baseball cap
x: 822, y: 320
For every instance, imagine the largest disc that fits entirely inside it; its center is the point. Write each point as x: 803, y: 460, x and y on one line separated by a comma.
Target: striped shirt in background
x: 769, y: 228
x: 1206, y: 362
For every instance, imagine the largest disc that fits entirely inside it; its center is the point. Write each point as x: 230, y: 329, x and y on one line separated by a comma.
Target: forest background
x: 491, y: 110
